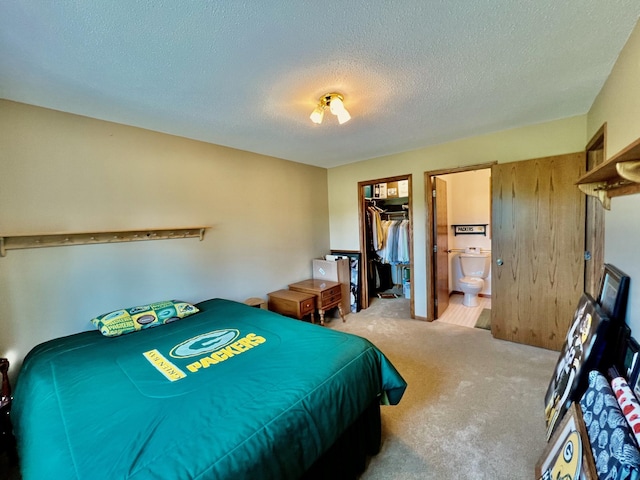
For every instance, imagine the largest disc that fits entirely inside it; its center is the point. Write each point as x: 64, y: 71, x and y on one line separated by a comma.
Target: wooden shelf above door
x: 620, y: 175
x: 14, y: 242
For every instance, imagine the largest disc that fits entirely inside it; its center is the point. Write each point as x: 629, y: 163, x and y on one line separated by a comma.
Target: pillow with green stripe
x: 127, y: 320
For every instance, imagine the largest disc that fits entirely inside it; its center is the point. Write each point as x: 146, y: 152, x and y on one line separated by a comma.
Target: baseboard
x: 456, y: 292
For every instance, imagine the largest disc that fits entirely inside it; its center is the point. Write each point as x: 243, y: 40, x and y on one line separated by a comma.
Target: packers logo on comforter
x: 215, y: 347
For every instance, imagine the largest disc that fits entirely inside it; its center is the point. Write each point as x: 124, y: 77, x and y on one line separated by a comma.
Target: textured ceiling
x: 248, y: 74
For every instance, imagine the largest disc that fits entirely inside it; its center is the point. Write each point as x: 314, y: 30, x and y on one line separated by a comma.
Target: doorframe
x: 430, y: 225
x: 594, y: 216
x: 364, y: 267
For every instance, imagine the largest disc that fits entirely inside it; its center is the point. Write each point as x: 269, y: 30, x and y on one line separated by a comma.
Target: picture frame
x: 634, y: 385
x: 582, y: 351
x: 630, y: 364
x: 618, y: 348
x: 613, y: 292
x: 568, y: 452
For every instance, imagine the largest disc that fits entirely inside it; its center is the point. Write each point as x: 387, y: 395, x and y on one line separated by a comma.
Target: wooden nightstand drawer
x: 292, y: 304
x: 308, y: 306
x: 331, y: 294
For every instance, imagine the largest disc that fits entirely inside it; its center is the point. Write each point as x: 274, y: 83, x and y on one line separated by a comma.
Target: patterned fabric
x: 613, y: 445
x: 628, y: 404
x: 134, y: 319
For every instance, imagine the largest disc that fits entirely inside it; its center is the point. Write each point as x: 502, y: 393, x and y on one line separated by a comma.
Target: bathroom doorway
x: 462, y: 224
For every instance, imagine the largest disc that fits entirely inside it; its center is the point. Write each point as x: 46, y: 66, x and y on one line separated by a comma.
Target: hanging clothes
x: 395, y: 247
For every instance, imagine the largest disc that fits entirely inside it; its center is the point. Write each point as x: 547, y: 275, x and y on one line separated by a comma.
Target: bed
x: 229, y: 392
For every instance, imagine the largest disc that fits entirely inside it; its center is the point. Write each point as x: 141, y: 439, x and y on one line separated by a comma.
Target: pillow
x: 628, y: 403
x: 613, y: 445
x: 133, y: 319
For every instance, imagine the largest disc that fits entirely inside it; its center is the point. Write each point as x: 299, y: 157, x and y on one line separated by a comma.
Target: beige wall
x: 552, y: 138
x: 62, y: 172
x: 618, y: 104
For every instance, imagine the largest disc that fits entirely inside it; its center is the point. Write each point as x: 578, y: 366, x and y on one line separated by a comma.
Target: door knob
x: 499, y: 262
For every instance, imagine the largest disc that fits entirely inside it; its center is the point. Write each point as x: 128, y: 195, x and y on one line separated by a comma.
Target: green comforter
x: 231, y: 392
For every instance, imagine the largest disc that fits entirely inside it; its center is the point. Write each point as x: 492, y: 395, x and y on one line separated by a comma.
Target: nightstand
x: 8, y: 456
x: 292, y: 304
x: 328, y: 294
x: 256, y: 302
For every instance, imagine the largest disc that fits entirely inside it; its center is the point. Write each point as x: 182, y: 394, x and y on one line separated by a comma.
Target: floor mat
x: 484, y: 320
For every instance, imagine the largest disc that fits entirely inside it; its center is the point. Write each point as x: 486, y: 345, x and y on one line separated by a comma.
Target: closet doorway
x: 386, y: 239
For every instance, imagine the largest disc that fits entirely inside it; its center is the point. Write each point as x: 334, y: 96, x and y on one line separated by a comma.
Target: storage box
x: 403, y: 188
x: 406, y: 289
x: 336, y: 271
x: 380, y: 190
x: 392, y: 190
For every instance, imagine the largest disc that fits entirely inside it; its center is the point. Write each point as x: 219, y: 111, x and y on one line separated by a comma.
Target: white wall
x: 66, y: 173
x: 618, y: 104
x: 552, y: 138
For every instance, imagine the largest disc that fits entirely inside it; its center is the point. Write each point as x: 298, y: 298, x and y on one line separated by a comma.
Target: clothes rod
x: 15, y: 242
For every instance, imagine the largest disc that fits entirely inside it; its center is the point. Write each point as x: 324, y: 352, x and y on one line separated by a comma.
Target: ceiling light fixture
x: 335, y: 102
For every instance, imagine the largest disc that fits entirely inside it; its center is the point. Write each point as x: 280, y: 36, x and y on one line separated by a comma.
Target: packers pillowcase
x: 127, y: 320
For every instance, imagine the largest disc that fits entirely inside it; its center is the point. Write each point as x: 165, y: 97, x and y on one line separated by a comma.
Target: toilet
x: 475, y: 268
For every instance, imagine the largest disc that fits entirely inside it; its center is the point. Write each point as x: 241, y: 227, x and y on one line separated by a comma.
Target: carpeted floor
x: 473, y: 408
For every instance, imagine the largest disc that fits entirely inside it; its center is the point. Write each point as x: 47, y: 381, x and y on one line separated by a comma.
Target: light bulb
x: 317, y: 115
x: 343, y: 116
x: 336, y: 106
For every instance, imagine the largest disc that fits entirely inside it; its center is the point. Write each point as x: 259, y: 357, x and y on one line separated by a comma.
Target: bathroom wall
x: 468, y: 202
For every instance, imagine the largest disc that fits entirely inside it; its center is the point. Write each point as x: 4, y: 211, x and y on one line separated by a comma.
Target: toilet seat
x: 472, y: 282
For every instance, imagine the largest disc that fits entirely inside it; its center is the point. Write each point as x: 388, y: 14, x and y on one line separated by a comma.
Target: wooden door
x: 538, y: 217
x: 441, y: 253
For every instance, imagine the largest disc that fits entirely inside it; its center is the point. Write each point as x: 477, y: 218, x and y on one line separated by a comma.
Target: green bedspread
x: 232, y: 392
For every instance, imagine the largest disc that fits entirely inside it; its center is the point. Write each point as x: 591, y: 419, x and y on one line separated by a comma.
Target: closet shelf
x: 620, y: 175
x: 14, y: 242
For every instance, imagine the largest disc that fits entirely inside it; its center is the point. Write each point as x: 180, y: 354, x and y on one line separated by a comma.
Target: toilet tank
x: 475, y: 264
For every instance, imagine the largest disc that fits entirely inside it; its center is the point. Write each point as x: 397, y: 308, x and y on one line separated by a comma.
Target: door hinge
x: 435, y: 249
x: 587, y: 255
x: 433, y: 193
x: 435, y: 302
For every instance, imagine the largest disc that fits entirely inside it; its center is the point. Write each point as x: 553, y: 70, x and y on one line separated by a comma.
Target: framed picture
x: 634, y: 385
x: 631, y: 365
x: 630, y: 360
x: 618, y: 349
x: 582, y: 351
x: 354, y: 287
x: 613, y: 292
x: 568, y: 453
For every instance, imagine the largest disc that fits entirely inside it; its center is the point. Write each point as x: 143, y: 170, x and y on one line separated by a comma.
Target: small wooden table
x: 328, y: 294
x: 293, y: 304
x: 256, y: 302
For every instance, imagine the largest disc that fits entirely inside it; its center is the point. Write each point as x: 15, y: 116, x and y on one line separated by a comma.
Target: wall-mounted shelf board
x: 619, y: 175
x: 14, y: 242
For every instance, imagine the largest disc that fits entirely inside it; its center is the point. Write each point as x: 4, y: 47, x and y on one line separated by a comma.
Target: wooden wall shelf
x: 620, y: 175
x: 14, y: 242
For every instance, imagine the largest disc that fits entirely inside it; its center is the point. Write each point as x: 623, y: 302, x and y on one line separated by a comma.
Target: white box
x: 406, y: 289
x: 403, y: 188
x: 380, y: 190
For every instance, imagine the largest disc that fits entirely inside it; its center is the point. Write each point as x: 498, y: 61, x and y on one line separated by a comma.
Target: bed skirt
x: 348, y: 456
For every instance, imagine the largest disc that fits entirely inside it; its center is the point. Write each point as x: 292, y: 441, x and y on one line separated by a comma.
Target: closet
x: 385, y: 236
